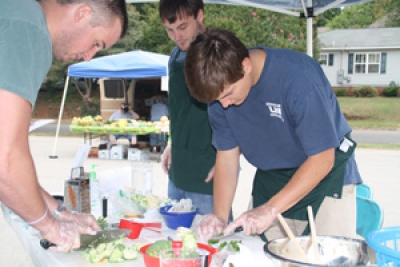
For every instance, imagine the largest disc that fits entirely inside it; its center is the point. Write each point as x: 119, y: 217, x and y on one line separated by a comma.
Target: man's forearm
x: 306, y: 178
x: 225, y: 182
x: 19, y: 189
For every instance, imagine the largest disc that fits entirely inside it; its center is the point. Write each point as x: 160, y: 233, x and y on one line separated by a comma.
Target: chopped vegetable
x: 130, y: 253
x: 102, y: 223
x: 116, y: 256
x: 222, y: 245
x: 213, y: 241
x: 181, y: 231
x: 157, y: 246
x: 189, y: 245
x: 140, y: 199
x: 232, y: 245
x: 189, y: 241
x: 113, y: 252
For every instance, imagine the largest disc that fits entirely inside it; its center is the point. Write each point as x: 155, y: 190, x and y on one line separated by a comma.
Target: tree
x: 253, y: 26
x: 393, y: 14
x: 353, y: 17
x: 326, y: 16
x: 363, y: 15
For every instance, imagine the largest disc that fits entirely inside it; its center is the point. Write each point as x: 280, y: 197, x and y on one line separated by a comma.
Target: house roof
x: 360, y: 39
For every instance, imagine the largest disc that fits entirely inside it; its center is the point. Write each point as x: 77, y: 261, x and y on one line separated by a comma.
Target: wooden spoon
x: 292, y: 238
x: 313, y: 253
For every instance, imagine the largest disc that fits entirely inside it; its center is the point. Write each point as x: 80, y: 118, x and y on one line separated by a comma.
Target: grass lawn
x: 377, y: 113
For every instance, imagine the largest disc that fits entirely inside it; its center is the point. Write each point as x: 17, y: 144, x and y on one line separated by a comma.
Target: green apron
x: 193, y: 155
x: 267, y: 183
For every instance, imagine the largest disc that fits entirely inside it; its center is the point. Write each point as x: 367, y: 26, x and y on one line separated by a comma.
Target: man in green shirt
x: 189, y: 159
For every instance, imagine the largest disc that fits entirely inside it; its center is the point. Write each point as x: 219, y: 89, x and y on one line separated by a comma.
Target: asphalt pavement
x: 360, y: 136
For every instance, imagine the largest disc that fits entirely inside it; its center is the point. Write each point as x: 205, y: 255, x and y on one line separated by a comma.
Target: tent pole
x: 310, y: 36
x: 53, y: 155
x: 309, y: 31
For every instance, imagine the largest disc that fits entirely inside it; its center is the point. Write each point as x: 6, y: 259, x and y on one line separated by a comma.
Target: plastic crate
x: 386, y: 243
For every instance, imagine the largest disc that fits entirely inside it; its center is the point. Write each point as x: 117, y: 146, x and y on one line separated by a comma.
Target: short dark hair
x: 170, y: 10
x: 105, y: 12
x: 213, y: 61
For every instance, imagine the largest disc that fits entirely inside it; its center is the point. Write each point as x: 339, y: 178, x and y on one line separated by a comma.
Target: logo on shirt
x: 275, y: 110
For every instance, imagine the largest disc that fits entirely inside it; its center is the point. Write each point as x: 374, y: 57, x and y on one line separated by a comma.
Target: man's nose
x: 177, y: 36
x: 90, y: 54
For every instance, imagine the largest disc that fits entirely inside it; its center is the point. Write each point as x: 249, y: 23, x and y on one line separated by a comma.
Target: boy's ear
x: 200, y: 16
x: 83, y: 14
x: 247, y: 65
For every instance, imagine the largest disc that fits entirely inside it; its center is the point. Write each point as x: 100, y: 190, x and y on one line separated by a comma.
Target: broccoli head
x: 157, y: 246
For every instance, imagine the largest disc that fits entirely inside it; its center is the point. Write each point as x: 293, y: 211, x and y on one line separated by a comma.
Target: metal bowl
x: 333, y: 251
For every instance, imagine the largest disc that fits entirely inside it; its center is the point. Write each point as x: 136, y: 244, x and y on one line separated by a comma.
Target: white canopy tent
x: 134, y: 64
x: 299, y: 8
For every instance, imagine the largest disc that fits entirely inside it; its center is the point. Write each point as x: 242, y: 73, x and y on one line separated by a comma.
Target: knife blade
x: 222, y: 236
x: 104, y: 236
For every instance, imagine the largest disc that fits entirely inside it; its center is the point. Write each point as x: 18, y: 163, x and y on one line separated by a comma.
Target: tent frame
x: 159, y: 59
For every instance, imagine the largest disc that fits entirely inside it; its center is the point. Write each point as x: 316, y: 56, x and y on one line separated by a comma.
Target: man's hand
x: 87, y: 223
x: 166, y: 159
x: 255, y: 221
x: 65, y: 234
x: 210, y: 175
x: 209, y: 226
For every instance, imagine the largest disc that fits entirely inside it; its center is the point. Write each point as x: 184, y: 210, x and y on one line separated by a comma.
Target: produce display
x: 97, y: 124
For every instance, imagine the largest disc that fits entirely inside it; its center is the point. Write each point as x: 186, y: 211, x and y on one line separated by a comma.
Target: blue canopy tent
x: 134, y: 64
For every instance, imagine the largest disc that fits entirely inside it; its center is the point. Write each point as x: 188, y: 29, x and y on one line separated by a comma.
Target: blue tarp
x: 134, y: 64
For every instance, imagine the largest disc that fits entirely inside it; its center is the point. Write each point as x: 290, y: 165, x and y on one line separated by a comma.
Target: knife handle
x: 238, y: 229
x: 46, y: 244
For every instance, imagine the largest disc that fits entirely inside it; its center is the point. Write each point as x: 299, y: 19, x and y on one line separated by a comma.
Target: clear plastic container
x: 142, y: 177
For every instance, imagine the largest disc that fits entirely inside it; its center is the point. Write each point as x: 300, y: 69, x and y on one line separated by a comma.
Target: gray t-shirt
x: 25, y: 48
x: 118, y: 115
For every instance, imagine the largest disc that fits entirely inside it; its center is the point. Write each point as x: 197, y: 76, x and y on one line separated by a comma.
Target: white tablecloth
x: 30, y: 239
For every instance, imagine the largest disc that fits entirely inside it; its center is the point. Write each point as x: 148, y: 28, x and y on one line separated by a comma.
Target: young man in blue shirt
x: 277, y: 108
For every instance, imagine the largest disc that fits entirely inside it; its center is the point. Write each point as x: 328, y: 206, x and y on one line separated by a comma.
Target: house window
x: 326, y: 59
x: 365, y: 63
x: 323, y: 59
x: 114, y: 88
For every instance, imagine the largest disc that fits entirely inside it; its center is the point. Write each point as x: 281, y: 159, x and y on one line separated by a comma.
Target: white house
x: 354, y: 57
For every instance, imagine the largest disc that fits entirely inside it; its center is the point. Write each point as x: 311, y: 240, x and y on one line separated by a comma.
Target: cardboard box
x: 136, y: 154
x: 118, y: 151
x: 94, y: 152
x: 104, y: 154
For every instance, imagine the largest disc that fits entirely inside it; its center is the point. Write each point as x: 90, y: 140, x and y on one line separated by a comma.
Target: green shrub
x: 364, y: 91
x: 391, y: 90
x: 341, y: 92
x: 90, y: 107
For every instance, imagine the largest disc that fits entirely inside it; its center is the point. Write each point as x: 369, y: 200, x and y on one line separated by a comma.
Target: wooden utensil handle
x: 291, y: 236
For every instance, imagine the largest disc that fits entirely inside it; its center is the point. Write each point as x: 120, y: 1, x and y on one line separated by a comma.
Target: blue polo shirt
x: 290, y: 114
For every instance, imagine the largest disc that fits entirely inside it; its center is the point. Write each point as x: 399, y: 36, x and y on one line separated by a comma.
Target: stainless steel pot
x: 333, y: 251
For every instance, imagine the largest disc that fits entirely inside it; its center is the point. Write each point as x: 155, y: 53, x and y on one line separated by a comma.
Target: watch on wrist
x: 59, y: 209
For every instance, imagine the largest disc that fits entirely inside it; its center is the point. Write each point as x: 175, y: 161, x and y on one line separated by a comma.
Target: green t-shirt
x: 25, y: 48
